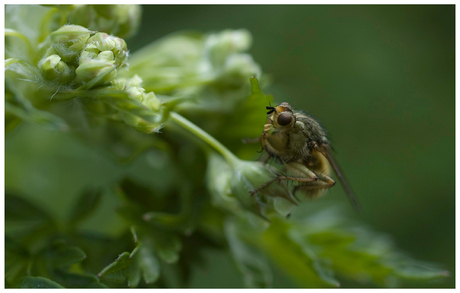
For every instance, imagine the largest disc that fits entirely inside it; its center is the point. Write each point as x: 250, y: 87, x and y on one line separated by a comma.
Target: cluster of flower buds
x: 102, y: 55
x: 224, y: 52
x: 120, y: 20
x: 76, y: 55
x: 148, y: 101
x: 133, y: 87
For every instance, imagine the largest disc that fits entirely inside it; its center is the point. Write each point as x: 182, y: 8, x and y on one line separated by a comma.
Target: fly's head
x: 281, y: 116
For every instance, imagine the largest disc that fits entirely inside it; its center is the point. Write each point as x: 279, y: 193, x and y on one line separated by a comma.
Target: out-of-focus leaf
x: 295, y: 259
x: 117, y: 271
x: 148, y: 263
x: 162, y: 71
x: 179, y: 221
x: 27, y: 19
x: 86, y: 204
x: 252, y: 264
x: 19, y: 209
x: 18, y: 105
x: 219, y: 175
x: 25, y: 220
x: 71, y: 280
x: 168, y: 246
x: 39, y: 282
x: 62, y: 255
x: 43, y: 118
x: 248, y: 120
x: 134, y: 276
x: 16, y: 261
x: 414, y: 270
x: 22, y: 68
x: 357, y: 253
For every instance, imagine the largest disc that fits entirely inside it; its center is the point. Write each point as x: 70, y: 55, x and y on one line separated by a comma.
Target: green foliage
x: 191, y: 191
x: 38, y: 282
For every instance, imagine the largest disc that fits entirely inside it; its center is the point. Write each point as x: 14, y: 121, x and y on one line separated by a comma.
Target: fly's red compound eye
x: 284, y: 119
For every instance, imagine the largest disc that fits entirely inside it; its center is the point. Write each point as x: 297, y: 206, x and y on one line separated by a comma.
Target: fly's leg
x: 279, y: 178
x: 267, y: 128
x: 305, y: 175
x: 324, y: 182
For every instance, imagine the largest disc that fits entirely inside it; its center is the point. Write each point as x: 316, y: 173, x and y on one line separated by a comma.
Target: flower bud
x: 151, y: 101
x: 228, y: 42
x: 134, y: 81
x: 53, y: 69
x: 136, y: 93
x: 89, y: 70
x: 69, y: 41
x: 129, y: 18
x: 237, y: 69
x: 104, y: 42
x: 102, y: 55
x: 120, y: 20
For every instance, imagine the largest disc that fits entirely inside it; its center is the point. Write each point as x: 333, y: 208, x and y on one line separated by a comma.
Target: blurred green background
x: 381, y: 80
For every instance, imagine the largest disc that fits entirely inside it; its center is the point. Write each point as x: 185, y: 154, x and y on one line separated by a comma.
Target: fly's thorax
x: 312, y: 130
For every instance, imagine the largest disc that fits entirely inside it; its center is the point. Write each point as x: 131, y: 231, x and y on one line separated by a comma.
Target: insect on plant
x: 299, y: 143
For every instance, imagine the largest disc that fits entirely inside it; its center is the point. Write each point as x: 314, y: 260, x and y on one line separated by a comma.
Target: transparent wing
x: 343, y: 181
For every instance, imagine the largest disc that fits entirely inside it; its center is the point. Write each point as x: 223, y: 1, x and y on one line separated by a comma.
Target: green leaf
x: 20, y: 209
x: 18, y: 105
x: 22, y: 68
x: 181, y: 220
x: 71, y: 280
x: 248, y: 120
x: 61, y: 255
x: 167, y: 245
x: 39, y: 282
x: 295, y: 257
x: 218, y: 178
x: 358, y: 253
x: 25, y: 220
x: 134, y: 276
x: 251, y: 263
x: 148, y: 263
x: 86, y: 204
x: 17, y: 259
x: 43, y: 118
x: 415, y: 270
x: 117, y: 271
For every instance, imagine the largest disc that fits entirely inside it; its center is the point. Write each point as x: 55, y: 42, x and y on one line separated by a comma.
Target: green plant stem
x: 220, y: 148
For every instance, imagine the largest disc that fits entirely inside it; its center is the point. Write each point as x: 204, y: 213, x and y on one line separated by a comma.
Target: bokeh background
x: 381, y: 79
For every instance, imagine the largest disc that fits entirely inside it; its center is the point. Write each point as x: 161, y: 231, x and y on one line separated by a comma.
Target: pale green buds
x: 120, y: 20
x: 238, y: 67
x: 225, y: 57
x: 102, y: 55
x: 69, y: 41
x: 151, y: 101
x: 96, y: 57
x: 94, y: 68
x: 103, y: 42
x: 220, y: 46
x: 148, y: 102
x: 53, y: 69
x: 135, y: 91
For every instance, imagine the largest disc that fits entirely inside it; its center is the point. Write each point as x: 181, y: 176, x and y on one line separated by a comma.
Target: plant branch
x: 220, y: 148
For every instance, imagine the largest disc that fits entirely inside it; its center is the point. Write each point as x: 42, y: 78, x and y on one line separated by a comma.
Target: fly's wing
x: 343, y: 181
